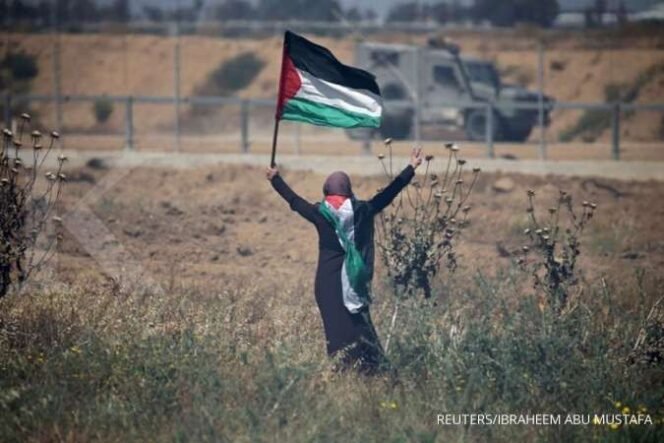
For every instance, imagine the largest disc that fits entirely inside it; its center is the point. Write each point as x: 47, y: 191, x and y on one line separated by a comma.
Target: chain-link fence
x: 124, y: 89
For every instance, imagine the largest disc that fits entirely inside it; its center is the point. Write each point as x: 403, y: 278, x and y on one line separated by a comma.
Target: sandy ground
x: 226, y: 223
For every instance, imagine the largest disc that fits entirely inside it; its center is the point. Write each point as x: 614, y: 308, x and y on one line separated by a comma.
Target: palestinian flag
x: 317, y: 88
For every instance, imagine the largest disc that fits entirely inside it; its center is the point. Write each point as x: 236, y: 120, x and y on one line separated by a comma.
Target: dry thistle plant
x: 25, y: 209
x: 418, y: 231
x: 553, y: 249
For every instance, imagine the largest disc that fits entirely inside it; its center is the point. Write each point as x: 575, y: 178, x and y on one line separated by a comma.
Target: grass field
x: 191, y: 317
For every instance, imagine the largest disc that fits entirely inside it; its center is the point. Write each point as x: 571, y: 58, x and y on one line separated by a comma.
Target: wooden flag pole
x: 275, y: 135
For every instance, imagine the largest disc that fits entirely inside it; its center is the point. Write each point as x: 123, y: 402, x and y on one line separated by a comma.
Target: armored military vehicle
x: 451, y: 91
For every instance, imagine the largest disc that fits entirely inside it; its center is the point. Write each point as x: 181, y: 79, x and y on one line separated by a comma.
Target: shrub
x: 24, y: 211
x: 21, y: 66
x: 419, y: 230
x: 550, y: 256
x: 234, y: 74
x: 103, y: 108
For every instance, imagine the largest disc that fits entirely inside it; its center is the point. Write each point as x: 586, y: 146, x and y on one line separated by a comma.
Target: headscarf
x: 338, y: 183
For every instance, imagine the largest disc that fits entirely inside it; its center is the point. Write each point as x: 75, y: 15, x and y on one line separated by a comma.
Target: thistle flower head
x: 36, y: 134
x: 387, y: 141
x: 428, y: 157
x: 7, y: 133
x: 530, y: 192
x: 449, y: 145
x: 526, y: 231
x: 55, y: 134
x: 17, y: 143
x: 461, y: 161
x: 62, y: 177
x: 62, y: 158
x: 476, y: 170
x: 381, y: 156
x: 26, y: 117
x: 552, y: 210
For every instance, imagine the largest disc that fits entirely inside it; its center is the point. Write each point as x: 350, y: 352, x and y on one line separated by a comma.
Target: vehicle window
x: 444, y: 76
x: 482, y: 73
x: 383, y: 58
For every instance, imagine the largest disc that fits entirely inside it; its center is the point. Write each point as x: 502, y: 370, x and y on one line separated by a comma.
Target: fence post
x: 8, y: 111
x: 129, y: 123
x: 540, y: 100
x: 244, y: 124
x: 489, y: 130
x: 366, y: 142
x: 615, y: 131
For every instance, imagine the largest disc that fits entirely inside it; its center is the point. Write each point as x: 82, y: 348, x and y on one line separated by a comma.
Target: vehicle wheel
x: 518, y: 135
x: 475, y: 125
x: 396, y: 126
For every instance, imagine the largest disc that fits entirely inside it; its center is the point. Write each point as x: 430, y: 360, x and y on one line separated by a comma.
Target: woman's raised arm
x: 297, y: 203
x: 385, y: 197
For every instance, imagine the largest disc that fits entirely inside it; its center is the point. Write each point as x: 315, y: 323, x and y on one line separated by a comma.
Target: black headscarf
x: 338, y: 183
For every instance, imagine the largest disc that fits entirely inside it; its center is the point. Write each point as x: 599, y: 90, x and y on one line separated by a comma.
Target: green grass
x: 244, y: 364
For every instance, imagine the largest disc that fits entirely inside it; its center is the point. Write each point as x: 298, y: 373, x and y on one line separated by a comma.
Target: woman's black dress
x: 353, y: 334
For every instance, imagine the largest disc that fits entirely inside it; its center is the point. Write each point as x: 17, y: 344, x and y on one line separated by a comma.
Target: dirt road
x: 370, y: 166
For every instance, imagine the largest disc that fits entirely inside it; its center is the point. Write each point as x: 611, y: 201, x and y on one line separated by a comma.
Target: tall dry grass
x: 245, y: 362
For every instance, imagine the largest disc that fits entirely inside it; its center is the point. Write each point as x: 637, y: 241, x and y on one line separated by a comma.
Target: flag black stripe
x: 321, y: 63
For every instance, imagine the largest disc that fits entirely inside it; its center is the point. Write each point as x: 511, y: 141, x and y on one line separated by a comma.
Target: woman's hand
x: 271, y: 172
x: 416, y: 157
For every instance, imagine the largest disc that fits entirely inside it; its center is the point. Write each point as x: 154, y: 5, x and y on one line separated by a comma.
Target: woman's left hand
x: 416, y: 157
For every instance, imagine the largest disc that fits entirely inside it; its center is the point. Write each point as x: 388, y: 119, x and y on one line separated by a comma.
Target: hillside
x: 143, y: 65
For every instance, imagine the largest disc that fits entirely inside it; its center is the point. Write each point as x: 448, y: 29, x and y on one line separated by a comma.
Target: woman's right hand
x: 271, y: 172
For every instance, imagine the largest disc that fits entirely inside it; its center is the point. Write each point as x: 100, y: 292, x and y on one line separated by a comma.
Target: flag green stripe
x: 298, y: 109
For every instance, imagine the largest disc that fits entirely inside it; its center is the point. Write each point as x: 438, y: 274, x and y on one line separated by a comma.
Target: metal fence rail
x: 246, y: 106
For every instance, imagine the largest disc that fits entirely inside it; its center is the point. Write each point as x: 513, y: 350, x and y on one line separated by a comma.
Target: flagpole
x: 277, y: 114
x: 275, y: 135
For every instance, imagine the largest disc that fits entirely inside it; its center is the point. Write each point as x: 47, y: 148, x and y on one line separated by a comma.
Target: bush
x: 103, y: 108
x: 234, y: 74
x: 21, y: 66
x: 25, y: 211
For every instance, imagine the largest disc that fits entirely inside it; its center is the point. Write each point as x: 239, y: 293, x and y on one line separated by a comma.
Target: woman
x: 345, y: 261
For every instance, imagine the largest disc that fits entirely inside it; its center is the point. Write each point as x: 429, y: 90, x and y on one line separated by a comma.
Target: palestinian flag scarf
x: 316, y: 88
x: 354, y: 273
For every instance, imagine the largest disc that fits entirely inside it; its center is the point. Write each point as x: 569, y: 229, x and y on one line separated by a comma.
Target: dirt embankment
x: 226, y: 222
x: 576, y: 69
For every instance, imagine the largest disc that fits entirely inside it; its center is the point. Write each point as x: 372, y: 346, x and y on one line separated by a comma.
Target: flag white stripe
x: 343, y: 97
